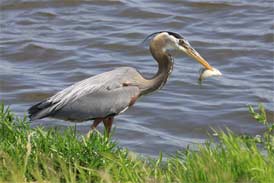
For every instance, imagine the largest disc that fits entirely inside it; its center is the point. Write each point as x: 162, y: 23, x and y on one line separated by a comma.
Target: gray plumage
x: 97, y: 96
x: 103, y: 96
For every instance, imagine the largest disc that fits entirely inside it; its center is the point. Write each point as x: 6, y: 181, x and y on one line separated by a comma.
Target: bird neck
x: 165, y: 66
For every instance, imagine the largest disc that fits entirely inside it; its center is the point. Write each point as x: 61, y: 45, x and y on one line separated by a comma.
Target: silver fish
x: 206, y: 73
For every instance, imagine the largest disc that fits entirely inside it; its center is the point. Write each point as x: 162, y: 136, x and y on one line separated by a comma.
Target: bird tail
x: 40, y: 110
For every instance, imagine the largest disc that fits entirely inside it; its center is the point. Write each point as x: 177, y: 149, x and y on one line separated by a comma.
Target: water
x: 48, y: 45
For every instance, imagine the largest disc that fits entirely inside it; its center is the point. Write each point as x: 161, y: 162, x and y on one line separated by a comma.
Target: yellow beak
x: 194, y: 54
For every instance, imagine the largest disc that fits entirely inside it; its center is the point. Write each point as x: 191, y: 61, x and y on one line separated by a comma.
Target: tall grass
x: 38, y: 155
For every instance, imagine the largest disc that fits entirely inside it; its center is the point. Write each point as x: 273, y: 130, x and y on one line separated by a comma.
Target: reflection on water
x: 48, y: 45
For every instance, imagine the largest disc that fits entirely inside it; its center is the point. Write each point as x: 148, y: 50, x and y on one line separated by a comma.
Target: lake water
x: 48, y: 45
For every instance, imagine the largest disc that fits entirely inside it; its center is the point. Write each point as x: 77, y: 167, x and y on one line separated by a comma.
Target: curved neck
x: 165, y: 66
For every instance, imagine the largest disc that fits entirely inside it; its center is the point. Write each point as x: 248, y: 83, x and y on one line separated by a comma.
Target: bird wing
x: 102, y: 94
x: 99, y: 104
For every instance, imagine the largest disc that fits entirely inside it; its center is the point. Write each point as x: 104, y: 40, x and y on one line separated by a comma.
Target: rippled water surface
x: 48, y: 45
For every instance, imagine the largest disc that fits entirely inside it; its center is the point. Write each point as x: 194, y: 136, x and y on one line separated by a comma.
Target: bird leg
x: 96, y: 122
x: 108, y: 124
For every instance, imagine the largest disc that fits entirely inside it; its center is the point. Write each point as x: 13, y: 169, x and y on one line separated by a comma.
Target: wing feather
x: 104, y: 86
x: 98, y: 104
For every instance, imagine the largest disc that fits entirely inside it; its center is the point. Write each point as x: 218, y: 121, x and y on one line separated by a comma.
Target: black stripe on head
x: 176, y: 35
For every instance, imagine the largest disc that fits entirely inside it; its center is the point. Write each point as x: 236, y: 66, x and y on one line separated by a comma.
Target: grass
x: 38, y: 155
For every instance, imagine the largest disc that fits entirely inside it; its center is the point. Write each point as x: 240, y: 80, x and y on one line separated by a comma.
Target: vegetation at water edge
x: 49, y: 155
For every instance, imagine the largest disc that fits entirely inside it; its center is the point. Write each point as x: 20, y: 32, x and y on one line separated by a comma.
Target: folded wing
x: 98, y: 96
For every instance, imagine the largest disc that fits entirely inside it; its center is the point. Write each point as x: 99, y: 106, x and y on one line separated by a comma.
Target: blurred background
x: 46, y: 46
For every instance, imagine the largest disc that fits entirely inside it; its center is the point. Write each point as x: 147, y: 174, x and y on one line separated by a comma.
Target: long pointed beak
x: 194, y: 54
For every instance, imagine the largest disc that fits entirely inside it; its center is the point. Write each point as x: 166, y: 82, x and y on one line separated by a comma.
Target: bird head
x: 170, y: 41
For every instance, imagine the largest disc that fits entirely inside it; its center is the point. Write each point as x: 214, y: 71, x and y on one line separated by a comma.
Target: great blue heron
x: 102, y: 97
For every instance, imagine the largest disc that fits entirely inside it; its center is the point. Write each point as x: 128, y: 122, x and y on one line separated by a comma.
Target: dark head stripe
x: 176, y: 35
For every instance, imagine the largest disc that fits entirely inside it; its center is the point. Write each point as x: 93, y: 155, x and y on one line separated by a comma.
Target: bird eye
x: 183, y: 43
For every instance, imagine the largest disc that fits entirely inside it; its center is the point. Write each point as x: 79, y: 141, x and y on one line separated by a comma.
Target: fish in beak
x: 208, y: 70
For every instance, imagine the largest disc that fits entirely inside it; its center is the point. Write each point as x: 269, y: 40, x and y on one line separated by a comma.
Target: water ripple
x: 48, y: 45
